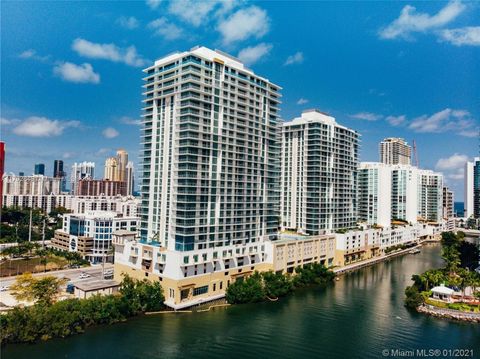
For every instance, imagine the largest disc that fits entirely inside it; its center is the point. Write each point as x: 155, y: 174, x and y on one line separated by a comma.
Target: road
x: 71, y: 274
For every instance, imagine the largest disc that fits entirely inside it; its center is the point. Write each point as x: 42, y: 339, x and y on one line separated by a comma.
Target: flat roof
x: 95, y: 284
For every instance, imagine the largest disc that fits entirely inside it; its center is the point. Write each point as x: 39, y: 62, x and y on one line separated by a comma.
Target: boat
x: 414, y: 251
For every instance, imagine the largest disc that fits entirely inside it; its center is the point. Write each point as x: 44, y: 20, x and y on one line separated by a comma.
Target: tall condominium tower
x: 111, y: 169
x: 210, y: 173
x: 448, y: 203
x: 375, y: 193
x: 319, y: 168
x: 39, y: 169
x: 116, y: 167
x: 430, y: 195
x: 404, y: 193
x: 472, y: 188
x: 395, y: 151
x: 59, y: 173
x: 130, y: 177
x: 80, y: 171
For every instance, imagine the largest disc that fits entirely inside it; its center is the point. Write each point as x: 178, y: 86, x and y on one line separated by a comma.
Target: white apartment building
x: 395, y: 151
x: 90, y: 233
x: 375, y: 193
x: 405, y: 193
x: 80, y: 171
x: 37, y: 185
x: 472, y: 188
x: 126, y: 205
x: 319, y: 160
x: 210, y: 171
x: 430, y: 196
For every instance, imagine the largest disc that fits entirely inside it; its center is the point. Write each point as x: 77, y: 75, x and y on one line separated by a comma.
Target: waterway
x: 360, y: 316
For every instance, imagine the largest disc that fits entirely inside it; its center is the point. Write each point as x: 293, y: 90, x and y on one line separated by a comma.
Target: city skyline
x: 58, y: 116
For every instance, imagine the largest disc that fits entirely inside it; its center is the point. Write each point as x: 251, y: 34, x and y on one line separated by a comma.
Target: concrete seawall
x: 449, y: 313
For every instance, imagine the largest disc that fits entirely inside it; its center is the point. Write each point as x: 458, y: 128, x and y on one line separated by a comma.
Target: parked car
x: 4, y: 288
x: 84, y: 275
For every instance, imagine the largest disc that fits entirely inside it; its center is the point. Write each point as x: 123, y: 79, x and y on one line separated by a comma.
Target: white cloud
x: 458, y: 121
x: 296, y: 58
x: 252, y: 54
x: 162, y: 27
x: 130, y: 121
x: 110, y: 52
x: 76, y: 73
x: 243, y: 24
x: 454, y: 162
x: 302, y: 101
x: 130, y: 22
x: 8, y: 121
x: 68, y: 155
x: 367, y: 116
x: 469, y: 35
x: 110, y: 132
x: 396, y: 120
x: 32, y: 54
x: 35, y: 126
x: 192, y: 11
x: 153, y: 4
x: 411, y: 21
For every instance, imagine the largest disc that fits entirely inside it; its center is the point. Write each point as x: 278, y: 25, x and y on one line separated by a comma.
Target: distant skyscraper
x: 430, y: 195
x: 39, y: 169
x: 116, y: 167
x: 21, y: 174
x: 111, y: 169
x: 319, y: 168
x: 375, y: 193
x: 59, y: 173
x: 2, y: 169
x: 472, y: 188
x: 448, y: 211
x: 395, y: 151
x: 130, y: 177
x: 80, y: 171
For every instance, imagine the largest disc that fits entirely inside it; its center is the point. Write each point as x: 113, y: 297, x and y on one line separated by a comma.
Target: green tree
x: 40, y: 290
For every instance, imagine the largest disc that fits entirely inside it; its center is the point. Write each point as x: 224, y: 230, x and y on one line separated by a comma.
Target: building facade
x: 472, y: 188
x: 31, y: 185
x: 395, y: 151
x: 90, y: 233
x: 93, y: 187
x: 430, y: 196
x: 39, y: 169
x: 210, y: 174
x: 319, y: 161
x: 405, y: 193
x: 80, y: 171
x: 375, y: 194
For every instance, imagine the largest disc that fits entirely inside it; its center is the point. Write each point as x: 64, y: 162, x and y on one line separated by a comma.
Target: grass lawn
x: 463, y: 307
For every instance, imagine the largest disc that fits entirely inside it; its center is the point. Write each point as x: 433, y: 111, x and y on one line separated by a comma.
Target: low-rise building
x: 90, y: 234
x: 293, y: 250
x: 87, y: 288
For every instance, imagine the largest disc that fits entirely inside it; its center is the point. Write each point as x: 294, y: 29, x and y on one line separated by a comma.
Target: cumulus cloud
x: 130, y: 121
x: 128, y: 56
x: 469, y: 36
x: 302, y: 101
x: 153, y: 4
x: 252, y: 54
x: 296, y: 58
x: 193, y: 12
x: 410, y: 21
x: 32, y: 54
x: 110, y: 132
x: 8, y: 121
x: 162, y: 27
x: 453, y: 162
x: 367, y: 116
x: 130, y: 22
x: 396, y: 120
x: 35, y: 126
x: 243, y: 24
x: 76, y: 73
x: 459, y: 121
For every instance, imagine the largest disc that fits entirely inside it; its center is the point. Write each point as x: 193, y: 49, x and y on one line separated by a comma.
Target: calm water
x: 357, y: 317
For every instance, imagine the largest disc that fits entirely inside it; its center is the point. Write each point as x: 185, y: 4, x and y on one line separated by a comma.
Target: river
x: 359, y: 316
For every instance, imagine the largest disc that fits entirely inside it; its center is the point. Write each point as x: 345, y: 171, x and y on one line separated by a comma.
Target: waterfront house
x: 442, y: 293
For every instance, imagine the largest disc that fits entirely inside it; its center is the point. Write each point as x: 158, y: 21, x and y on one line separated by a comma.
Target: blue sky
x: 71, y: 71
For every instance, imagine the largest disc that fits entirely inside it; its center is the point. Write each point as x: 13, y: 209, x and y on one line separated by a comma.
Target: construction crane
x: 415, y: 154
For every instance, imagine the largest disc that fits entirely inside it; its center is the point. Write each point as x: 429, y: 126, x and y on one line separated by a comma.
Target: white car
x: 84, y: 275
x: 4, y: 288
